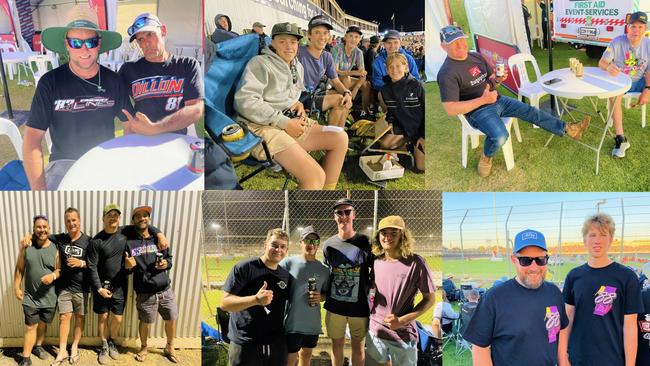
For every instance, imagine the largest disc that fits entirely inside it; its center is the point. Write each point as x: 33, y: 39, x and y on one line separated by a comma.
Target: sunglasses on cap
x: 312, y: 241
x: 345, y: 212
x: 40, y: 217
x: 77, y: 43
x: 527, y: 261
x: 139, y: 23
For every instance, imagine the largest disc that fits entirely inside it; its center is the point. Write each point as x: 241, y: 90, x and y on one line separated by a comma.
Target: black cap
x: 354, y: 28
x: 392, y: 33
x: 286, y: 28
x: 374, y: 40
x: 308, y: 231
x: 319, y: 20
x: 343, y: 202
x: 639, y: 16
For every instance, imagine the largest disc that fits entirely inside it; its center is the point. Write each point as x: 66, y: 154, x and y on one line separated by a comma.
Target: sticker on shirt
x: 552, y: 319
x: 345, y: 283
x: 170, y: 87
x: 644, y: 328
x: 604, y: 300
x: 633, y: 65
x: 478, y: 74
x: 282, y: 285
x: 73, y: 251
x: 82, y: 104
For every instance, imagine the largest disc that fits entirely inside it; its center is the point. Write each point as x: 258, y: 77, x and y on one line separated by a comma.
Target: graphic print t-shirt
x: 350, y: 262
x: 72, y: 279
x: 78, y: 116
x: 463, y: 80
x: 162, y: 88
x: 602, y: 297
x: 643, y: 323
x: 520, y: 325
x: 631, y: 61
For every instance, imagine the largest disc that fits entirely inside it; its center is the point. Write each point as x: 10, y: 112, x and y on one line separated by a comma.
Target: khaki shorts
x: 72, y: 302
x: 335, y: 325
x: 150, y: 305
x: 276, y: 139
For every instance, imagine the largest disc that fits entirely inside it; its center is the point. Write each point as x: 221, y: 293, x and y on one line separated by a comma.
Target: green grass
x: 562, y: 166
x: 219, y: 270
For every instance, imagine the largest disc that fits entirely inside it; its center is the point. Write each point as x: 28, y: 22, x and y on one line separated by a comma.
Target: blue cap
x: 451, y: 33
x: 529, y: 238
x: 391, y: 34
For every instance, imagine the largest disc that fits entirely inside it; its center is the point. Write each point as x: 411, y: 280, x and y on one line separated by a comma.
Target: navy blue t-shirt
x: 256, y: 325
x: 521, y: 325
x: 161, y: 88
x: 602, y: 297
x: 643, y: 350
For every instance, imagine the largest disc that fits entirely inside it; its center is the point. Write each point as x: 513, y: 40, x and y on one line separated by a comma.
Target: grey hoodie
x: 266, y: 89
x: 220, y: 34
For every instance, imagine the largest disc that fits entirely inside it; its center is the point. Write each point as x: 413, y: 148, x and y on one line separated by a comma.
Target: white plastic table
x: 136, y: 162
x: 595, y: 84
x: 17, y: 58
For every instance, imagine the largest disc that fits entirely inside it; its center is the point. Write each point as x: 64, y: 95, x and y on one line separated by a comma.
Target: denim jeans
x: 487, y: 119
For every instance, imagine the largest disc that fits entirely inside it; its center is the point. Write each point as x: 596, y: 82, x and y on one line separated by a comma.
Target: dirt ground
x: 89, y: 357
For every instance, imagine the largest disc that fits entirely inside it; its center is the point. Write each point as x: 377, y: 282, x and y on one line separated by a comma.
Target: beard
x: 533, y: 284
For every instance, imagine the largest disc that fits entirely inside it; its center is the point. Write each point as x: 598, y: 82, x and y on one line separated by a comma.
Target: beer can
x: 159, y: 257
x: 311, y: 286
x: 500, y: 69
x: 107, y: 285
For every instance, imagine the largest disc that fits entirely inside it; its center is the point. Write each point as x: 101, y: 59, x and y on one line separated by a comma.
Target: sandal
x: 171, y: 357
x: 74, y: 359
x: 59, y: 362
x: 141, y: 356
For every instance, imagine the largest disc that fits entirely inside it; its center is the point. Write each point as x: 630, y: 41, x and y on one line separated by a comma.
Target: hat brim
x: 146, y: 28
x: 454, y: 39
x: 532, y: 245
x: 142, y: 208
x: 112, y: 209
x: 389, y: 226
x: 53, y: 39
x: 290, y: 34
x: 355, y: 31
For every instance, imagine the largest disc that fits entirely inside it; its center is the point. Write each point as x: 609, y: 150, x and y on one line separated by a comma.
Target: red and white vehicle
x: 592, y: 23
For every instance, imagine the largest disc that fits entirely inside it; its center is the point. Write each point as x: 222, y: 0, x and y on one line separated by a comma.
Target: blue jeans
x: 637, y: 86
x: 487, y: 119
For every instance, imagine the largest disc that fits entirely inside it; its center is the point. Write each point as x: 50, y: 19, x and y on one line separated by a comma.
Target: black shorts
x: 34, y: 315
x: 103, y: 305
x: 296, y: 341
x: 274, y: 354
x: 306, y: 100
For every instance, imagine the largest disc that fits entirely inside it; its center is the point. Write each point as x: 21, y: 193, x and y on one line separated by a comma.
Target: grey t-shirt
x: 302, y: 318
x: 631, y: 61
x: 315, y: 68
x: 39, y: 262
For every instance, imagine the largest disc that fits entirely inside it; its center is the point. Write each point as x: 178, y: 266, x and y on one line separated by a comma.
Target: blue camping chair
x: 13, y: 177
x: 220, y: 87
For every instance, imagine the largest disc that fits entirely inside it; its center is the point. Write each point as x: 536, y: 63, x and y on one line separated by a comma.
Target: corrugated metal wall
x: 177, y: 214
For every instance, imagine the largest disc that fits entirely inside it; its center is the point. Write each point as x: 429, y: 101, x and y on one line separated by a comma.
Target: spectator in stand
x: 223, y: 31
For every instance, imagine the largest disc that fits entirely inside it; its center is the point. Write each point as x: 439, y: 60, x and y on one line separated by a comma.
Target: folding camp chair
x: 429, y: 347
x: 220, y: 85
x: 381, y: 128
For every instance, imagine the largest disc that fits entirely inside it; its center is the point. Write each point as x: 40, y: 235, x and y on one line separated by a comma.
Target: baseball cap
x: 308, y: 231
x: 639, y: 16
x: 529, y: 238
x: 286, y: 28
x: 395, y: 222
x: 258, y: 24
x: 392, y: 33
x: 141, y: 208
x: 319, y: 20
x: 451, y: 33
x: 111, y: 207
x: 39, y: 217
x: 374, y: 40
x: 343, y: 202
x: 354, y: 28
x: 145, y: 22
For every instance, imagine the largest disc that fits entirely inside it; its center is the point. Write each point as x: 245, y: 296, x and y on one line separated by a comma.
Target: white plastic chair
x: 41, y: 62
x: 54, y: 57
x: 531, y: 90
x: 472, y: 134
x: 191, y: 130
x: 11, y: 130
x: 10, y: 66
x: 631, y: 98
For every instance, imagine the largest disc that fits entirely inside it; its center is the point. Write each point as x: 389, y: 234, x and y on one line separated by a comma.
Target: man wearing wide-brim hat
x: 77, y: 102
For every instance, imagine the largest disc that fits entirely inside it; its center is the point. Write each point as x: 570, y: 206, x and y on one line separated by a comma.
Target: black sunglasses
x: 342, y: 213
x: 527, y: 261
x: 139, y: 23
x: 77, y: 43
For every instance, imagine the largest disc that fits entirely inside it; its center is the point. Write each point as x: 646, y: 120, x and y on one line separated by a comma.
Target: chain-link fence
x: 235, y: 223
x: 477, y: 242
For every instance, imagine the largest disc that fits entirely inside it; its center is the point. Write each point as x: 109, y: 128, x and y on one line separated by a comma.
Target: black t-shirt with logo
x: 463, y: 80
x: 520, y: 325
x: 602, y: 297
x: 643, y: 351
x: 258, y: 324
x: 78, y: 116
x: 72, y: 279
x: 161, y: 88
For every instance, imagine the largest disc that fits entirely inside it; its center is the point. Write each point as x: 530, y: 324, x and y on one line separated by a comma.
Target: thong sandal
x: 74, y: 359
x: 141, y: 356
x: 58, y: 362
x: 171, y: 357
